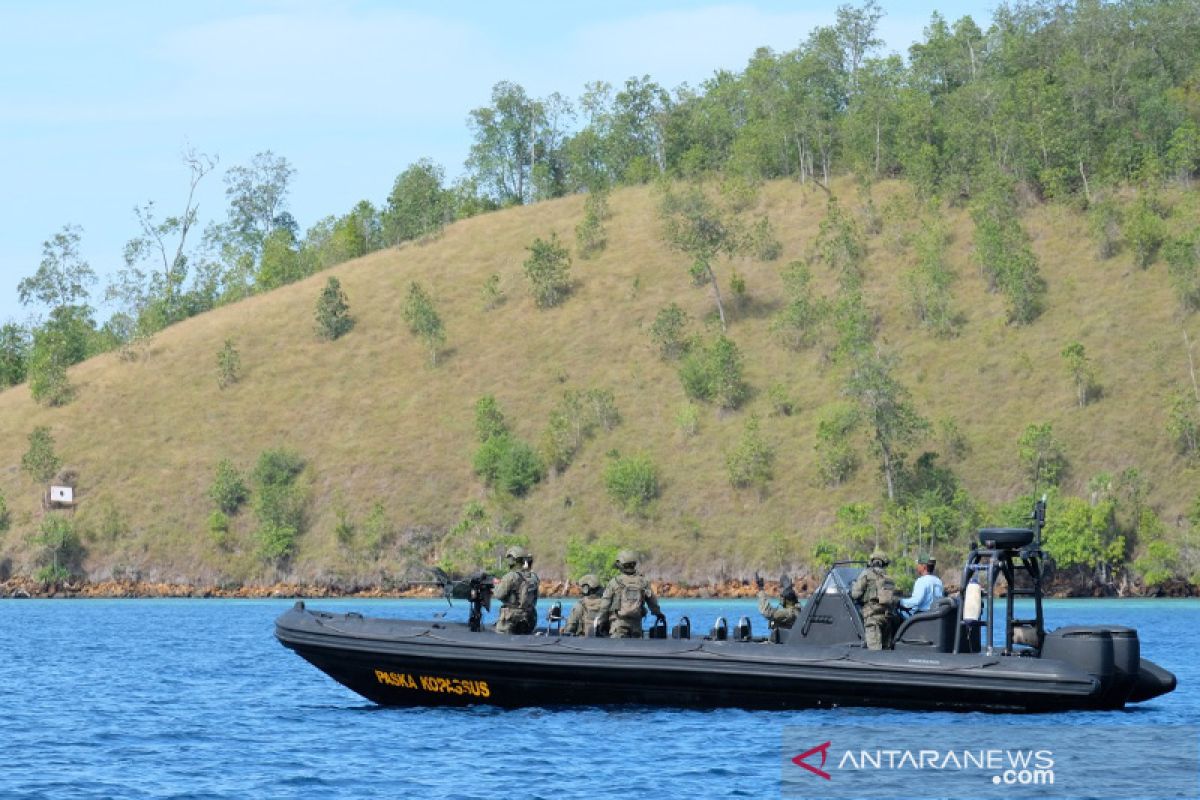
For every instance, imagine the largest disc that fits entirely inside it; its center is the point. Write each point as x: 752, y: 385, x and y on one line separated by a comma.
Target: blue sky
x: 97, y: 101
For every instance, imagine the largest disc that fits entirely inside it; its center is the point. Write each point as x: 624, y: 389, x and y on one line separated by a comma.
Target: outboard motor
x: 720, y: 630
x: 742, y: 632
x: 1090, y: 649
x: 658, y: 630
x: 683, y: 629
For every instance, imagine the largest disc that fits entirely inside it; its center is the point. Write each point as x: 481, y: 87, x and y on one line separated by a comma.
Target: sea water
x: 196, y: 699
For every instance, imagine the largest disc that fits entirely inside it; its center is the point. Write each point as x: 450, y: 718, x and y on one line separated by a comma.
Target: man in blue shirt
x: 927, y: 588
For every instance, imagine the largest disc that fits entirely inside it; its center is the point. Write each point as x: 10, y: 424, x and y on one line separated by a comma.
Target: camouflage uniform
x: 579, y: 622
x: 628, y: 589
x: 877, y: 619
x: 515, y: 617
x: 783, y: 616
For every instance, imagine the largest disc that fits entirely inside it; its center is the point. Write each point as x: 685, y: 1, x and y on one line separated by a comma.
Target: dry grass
x: 377, y: 424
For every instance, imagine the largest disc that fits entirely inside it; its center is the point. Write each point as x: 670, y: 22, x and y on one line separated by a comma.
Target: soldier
x: 518, y: 593
x: 626, y: 598
x: 877, y: 594
x: 583, y: 616
x: 783, y: 616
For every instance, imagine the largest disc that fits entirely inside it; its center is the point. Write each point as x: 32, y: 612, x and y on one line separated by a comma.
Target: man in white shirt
x: 927, y: 588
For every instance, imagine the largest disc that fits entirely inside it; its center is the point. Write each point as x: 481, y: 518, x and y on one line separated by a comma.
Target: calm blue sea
x: 196, y: 699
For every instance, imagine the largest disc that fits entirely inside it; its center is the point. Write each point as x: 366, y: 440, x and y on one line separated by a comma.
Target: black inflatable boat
x: 958, y: 655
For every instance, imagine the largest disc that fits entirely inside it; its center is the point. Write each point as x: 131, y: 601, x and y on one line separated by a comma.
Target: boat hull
x: 407, y: 663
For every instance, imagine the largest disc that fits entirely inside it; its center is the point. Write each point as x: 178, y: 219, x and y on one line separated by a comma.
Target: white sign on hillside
x: 62, y: 494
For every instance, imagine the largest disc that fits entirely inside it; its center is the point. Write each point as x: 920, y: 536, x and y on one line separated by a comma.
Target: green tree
x: 282, y: 261
x: 40, y: 461
x: 14, y: 355
x: 1042, y: 455
x: 704, y: 230
x: 1183, y: 268
x: 280, y: 503
x: 713, y: 373
x: 501, y: 156
x: 1144, y: 230
x: 887, y: 409
x: 667, y: 331
x: 836, y: 456
x: 63, y: 277
x: 419, y: 204
x: 493, y: 296
x: 424, y: 321
x: 1183, y: 424
x: 1104, y: 223
x: 48, y: 381
x: 333, y: 311
x: 1003, y: 251
x: 591, y: 236
x: 928, y: 283
x: 1082, y: 372
x: 752, y: 462
x: 157, y: 262
x: 798, y: 323
x: 509, y: 464
x: 632, y: 482
x: 228, y: 490
x: 1083, y: 535
x: 229, y: 365
x: 258, y: 196
x: 594, y: 558
x: 60, y: 543
x: 548, y: 269
x: 489, y: 419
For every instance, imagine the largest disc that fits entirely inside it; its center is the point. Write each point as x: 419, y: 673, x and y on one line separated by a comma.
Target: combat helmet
x: 879, y: 558
x: 626, y: 561
x: 589, y: 583
x: 516, y: 554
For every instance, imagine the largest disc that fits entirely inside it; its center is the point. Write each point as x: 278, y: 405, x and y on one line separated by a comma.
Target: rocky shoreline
x: 26, y: 588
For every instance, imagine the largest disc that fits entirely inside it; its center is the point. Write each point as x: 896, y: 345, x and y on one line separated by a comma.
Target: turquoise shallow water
x: 196, y: 699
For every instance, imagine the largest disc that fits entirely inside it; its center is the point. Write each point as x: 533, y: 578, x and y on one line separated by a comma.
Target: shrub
x: 688, y: 420
x: 423, y: 320
x: 1042, y: 455
x: 40, y: 460
x: 218, y: 528
x: 782, y: 404
x: 590, y: 235
x: 632, y: 482
x: 836, y: 457
x: 1183, y: 268
x: 60, y: 542
x: 752, y: 462
x: 763, y: 243
x: 1144, y: 231
x: 575, y: 420
x: 1183, y: 424
x: 596, y: 558
x: 1082, y: 373
x: 489, y: 419
x: 549, y: 271
x: 493, y: 296
x: 279, y: 503
x: 378, y: 531
x: 713, y: 374
x: 228, y: 490
x: 229, y: 365
x: 798, y: 323
x: 667, y: 332
x: 48, y: 382
x: 509, y: 464
x: 1104, y: 223
x: 5, y: 516
x: 333, y: 311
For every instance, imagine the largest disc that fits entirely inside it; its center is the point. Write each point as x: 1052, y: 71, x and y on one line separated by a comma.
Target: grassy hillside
x: 377, y: 424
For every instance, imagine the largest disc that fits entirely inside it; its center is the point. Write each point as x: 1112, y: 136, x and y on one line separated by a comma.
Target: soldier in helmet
x: 877, y: 594
x: 627, y: 597
x: 589, y: 609
x: 517, y: 592
x: 784, y: 615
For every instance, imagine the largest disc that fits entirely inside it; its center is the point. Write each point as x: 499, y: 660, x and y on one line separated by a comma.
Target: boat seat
x: 931, y: 630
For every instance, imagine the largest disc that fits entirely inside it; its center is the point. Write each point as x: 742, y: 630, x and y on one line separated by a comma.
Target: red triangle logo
x: 823, y: 749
